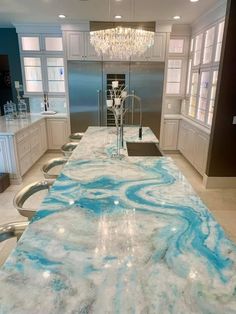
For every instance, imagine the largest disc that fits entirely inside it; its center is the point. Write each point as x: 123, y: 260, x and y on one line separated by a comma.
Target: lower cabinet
x: 193, y: 144
x: 170, y: 134
x: 57, y: 132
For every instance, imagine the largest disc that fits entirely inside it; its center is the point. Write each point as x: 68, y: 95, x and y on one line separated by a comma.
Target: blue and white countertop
x: 120, y: 236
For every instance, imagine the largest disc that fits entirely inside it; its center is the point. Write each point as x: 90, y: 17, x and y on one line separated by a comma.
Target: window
x: 174, y: 76
x: 189, y: 74
x: 203, y: 95
x: 212, y: 96
x: 193, y: 94
x: 219, y: 41
x: 197, y: 50
x: 208, y: 47
x: 191, y: 45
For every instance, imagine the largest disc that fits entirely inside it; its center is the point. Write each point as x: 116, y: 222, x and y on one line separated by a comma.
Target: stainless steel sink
x: 143, y: 149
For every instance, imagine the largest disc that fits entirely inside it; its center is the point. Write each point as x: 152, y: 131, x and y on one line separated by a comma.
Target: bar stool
x: 54, y: 162
x: 76, y: 137
x: 28, y: 191
x: 68, y: 148
x: 12, y: 230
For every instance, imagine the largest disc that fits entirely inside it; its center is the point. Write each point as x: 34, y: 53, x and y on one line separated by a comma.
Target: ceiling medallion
x: 121, y: 42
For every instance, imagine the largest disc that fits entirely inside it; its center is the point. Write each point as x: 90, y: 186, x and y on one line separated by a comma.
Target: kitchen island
x: 120, y: 236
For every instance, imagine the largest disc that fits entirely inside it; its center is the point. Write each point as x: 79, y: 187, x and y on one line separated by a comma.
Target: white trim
x: 38, y: 28
x: 219, y: 182
x: 83, y: 26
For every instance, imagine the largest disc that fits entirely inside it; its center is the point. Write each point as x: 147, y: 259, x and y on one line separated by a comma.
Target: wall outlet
x: 168, y: 106
x: 234, y: 119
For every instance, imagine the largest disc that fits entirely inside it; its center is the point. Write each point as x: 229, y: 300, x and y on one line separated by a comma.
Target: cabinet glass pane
x: 176, y: 46
x: 197, y: 50
x: 203, y: 94
x: 208, y: 47
x: 33, y: 74
x: 30, y: 43
x: 55, y: 70
x: 173, y: 88
x: 219, y: 41
x: 53, y: 44
x: 174, y: 76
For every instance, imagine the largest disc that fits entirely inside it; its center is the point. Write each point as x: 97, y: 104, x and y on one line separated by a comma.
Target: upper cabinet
x: 177, y: 66
x: 155, y: 52
x: 42, y: 61
x: 78, y: 47
x: 40, y: 43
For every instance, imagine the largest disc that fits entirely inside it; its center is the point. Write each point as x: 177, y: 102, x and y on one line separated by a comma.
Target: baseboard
x: 219, y: 182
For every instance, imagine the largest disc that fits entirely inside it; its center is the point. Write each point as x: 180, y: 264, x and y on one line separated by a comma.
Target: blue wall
x: 9, y: 46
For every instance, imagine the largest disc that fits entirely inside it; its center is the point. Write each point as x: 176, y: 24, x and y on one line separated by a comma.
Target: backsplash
x: 56, y: 104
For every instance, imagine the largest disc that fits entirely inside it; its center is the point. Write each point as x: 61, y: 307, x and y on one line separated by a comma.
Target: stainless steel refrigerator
x: 89, y: 82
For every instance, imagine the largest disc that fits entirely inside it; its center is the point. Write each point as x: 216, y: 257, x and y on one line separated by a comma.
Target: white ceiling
x: 46, y: 11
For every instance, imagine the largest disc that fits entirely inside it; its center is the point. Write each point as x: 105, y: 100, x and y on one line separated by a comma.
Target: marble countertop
x: 120, y: 236
x: 11, y: 127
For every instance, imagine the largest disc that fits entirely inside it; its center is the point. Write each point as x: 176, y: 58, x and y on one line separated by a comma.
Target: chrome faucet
x: 122, y: 113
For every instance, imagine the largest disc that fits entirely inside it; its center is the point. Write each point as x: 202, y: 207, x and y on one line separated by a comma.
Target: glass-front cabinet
x: 42, y: 64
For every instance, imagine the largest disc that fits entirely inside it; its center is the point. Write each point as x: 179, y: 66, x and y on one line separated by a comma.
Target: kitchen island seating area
x: 120, y: 236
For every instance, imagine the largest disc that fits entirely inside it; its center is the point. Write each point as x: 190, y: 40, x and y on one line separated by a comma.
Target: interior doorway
x: 5, y: 82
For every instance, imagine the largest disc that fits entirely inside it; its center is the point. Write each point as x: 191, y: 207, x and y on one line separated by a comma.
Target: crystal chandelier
x: 121, y: 42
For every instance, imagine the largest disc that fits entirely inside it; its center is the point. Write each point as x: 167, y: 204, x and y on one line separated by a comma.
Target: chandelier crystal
x: 121, y: 42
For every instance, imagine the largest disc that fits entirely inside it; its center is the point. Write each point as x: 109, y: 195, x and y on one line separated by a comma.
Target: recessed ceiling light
x: 118, y: 17
x: 194, y: 0
x: 176, y: 17
x: 61, y: 16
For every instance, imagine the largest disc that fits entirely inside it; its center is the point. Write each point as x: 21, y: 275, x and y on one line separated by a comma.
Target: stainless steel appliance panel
x: 146, y: 81
x: 85, y: 95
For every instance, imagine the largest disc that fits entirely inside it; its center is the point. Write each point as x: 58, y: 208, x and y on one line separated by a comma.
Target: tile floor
x: 222, y: 203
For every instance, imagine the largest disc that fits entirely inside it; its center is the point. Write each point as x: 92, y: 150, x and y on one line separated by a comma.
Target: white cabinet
x: 155, y: 52
x: 43, y: 137
x: 30, y: 145
x: 79, y: 47
x: 170, y: 134
x: 57, y: 132
x: 193, y: 144
x: 40, y: 43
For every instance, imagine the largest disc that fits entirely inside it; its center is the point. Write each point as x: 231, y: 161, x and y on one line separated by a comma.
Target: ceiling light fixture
x: 118, y: 17
x: 176, y: 17
x: 121, y: 42
x: 61, y: 16
x: 194, y: 0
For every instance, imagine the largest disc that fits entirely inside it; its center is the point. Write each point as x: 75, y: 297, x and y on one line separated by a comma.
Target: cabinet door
x: 57, y: 133
x: 43, y: 138
x: 90, y: 53
x: 75, y: 45
x: 55, y: 75
x: 33, y: 74
x: 170, y: 134
x: 53, y: 44
x: 30, y: 43
x: 157, y: 51
x: 201, y: 151
x: 182, y: 138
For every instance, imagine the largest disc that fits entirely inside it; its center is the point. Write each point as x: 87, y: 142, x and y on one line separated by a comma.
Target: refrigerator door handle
x: 99, y: 106
x: 132, y: 108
